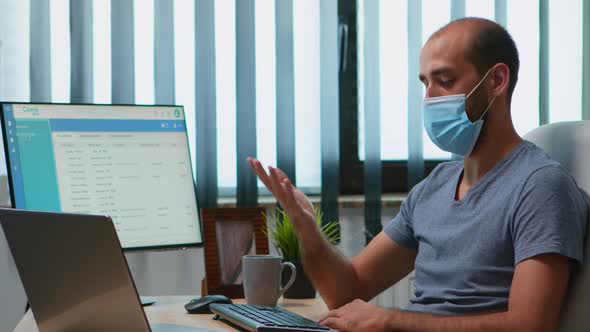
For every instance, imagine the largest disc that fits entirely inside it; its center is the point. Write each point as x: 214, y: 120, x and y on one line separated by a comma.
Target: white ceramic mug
x: 262, y: 278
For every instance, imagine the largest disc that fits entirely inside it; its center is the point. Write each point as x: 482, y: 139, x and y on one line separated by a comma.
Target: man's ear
x: 500, y: 78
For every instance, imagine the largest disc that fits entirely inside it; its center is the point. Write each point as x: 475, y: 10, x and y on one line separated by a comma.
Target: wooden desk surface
x: 170, y: 309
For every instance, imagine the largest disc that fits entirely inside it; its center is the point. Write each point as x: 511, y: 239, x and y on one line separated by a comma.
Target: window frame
x: 394, y: 172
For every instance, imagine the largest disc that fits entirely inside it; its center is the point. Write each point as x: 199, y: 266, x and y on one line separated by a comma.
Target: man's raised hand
x: 292, y: 200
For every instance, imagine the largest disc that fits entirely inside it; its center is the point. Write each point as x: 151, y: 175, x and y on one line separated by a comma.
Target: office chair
x: 569, y: 143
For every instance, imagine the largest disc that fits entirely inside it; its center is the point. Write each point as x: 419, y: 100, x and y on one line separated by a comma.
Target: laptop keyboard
x: 275, y: 317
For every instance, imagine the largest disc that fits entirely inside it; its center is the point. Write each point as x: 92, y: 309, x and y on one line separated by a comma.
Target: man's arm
x: 338, y: 279
x: 536, y: 296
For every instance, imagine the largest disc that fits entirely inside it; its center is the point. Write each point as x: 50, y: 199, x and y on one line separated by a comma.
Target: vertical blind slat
x: 543, y: 62
x: 457, y: 9
x: 501, y: 12
x: 205, y: 104
x: 457, y: 12
x: 164, y: 52
x: 122, y: 52
x: 372, y: 166
x: 285, y: 88
x: 40, y: 54
x: 82, y: 78
x: 329, y: 108
x: 247, y: 187
x: 415, y: 126
x: 586, y: 61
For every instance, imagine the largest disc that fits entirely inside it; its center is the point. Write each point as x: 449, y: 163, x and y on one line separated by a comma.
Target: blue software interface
x: 129, y: 162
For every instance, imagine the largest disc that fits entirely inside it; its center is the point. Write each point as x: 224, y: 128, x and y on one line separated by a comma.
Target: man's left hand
x: 358, y: 315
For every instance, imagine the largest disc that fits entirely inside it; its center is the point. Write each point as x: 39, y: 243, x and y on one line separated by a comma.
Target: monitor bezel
x: 126, y: 249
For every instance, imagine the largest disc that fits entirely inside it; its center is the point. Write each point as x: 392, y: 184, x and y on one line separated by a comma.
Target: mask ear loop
x: 478, y: 84
x: 487, y: 108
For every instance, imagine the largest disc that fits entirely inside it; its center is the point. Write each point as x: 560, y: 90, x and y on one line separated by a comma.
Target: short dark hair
x: 492, y: 44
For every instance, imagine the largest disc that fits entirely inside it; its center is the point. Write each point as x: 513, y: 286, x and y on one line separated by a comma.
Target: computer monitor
x: 127, y: 161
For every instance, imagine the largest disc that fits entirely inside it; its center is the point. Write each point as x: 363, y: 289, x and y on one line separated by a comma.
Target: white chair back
x: 569, y: 143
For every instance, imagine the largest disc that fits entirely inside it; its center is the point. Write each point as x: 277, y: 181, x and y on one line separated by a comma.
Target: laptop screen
x: 129, y: 162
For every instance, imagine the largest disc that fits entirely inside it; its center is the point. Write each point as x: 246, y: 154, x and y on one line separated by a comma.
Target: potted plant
x: 279, y: 230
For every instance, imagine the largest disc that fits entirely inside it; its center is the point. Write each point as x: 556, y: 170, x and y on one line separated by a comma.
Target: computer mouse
x: 201, y: 305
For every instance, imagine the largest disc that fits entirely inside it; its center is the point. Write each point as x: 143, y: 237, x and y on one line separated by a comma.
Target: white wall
x: 181, y: 271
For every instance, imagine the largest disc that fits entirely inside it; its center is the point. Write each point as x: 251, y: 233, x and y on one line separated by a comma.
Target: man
x: 493, y: 239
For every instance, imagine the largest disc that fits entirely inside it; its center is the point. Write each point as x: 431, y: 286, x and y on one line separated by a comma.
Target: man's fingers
x: 274, y: 178
x: 260, y: 172
x: 335, y: 323
x: 333, y: 320
x: 257, y: 168
x: 290, y: 204
x: 279, y: 184
x: 290, y: 195
x: 279, y: 190
x: 331, y: 313
x: 282, y: 174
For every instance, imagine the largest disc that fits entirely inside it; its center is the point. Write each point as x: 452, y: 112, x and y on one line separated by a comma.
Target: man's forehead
x: 438, y: 68
x: 446, y: 49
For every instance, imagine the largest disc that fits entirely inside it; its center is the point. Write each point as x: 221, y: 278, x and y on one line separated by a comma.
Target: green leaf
x: 281, y: 233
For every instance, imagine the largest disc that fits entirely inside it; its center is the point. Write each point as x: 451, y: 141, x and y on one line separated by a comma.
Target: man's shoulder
x: 446, y: 169
x: 546, y: 176
x: 551, y: 178
x: 520, y: 164
x: 535, y: 157
x: 536, y: 165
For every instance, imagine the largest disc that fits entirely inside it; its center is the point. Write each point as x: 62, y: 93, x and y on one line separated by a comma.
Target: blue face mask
x: 447, y: 124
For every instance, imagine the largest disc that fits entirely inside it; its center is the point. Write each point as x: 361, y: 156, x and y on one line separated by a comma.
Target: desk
x: 170, y: 309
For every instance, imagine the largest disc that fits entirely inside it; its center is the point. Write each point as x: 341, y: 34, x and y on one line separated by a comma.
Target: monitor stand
x: 146, y: 301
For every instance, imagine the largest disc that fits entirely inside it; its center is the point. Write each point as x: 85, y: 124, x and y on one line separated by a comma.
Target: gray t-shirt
x: 467, y: 250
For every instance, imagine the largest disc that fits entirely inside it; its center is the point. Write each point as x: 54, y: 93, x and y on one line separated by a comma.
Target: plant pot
x: 301, y: 288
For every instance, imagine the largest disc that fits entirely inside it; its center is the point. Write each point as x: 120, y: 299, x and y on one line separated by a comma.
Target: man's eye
x: 447, y: 82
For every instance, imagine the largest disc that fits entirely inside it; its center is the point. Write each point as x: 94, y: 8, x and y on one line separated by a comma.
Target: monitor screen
x: 129, y: 162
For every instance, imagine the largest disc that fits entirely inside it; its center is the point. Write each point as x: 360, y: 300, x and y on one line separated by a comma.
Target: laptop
x: 74, y: 273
